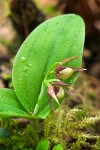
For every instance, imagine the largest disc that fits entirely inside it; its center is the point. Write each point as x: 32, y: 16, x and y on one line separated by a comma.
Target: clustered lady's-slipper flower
x: 56, y: 88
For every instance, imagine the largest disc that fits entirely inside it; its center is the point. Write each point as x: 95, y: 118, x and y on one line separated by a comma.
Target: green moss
x: 72, y: 128
x: 26, y: 138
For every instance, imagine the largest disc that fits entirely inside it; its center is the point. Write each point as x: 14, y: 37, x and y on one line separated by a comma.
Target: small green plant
x: 38, y: 68
x: 44, y: 70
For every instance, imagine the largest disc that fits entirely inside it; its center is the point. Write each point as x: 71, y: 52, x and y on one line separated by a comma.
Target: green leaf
x: 8, y: 96
x: 58, y: 147
x: 10, y: 105
x: 43, y: 145
x: 52, y: 41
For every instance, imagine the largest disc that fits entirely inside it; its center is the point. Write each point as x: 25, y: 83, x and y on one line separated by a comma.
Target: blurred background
x: 19, y: 17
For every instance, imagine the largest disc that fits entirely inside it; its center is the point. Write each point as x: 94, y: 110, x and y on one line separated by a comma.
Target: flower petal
x: 52, y: 93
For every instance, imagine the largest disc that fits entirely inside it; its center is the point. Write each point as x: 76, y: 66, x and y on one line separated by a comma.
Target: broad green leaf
x: 58, y: 147
x: 54, y: 40
x: 43, y: 145
x: 8, y: 96
x: 10, y: 105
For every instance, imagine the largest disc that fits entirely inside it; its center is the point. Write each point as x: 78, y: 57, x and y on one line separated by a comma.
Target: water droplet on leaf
x: 27, y: 45
x: 30, y: 65
x: 67, y: 42
x: 25, y: 68
x: 23, y: 59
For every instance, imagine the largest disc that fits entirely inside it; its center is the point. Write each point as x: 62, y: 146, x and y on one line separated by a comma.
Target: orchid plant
x: 45, y: 68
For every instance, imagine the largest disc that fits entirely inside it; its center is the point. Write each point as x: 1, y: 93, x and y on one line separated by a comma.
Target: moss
x: 26, y: 138
x: 72, y: 128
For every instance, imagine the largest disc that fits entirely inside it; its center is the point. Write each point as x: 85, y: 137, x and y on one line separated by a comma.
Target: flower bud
x: 65, y: 73
x: 60, y: 93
